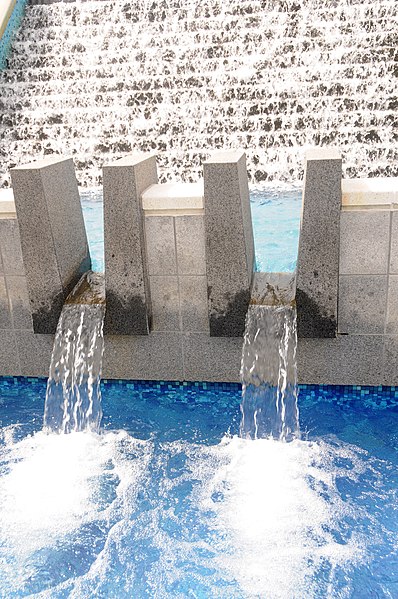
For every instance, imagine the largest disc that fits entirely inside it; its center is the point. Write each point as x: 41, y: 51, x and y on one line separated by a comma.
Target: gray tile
x: 34, y: 353
x: 362, y: 304
x: 9, y: 360
x: 160, y: 243
x: 394, y: 243
x: 211, y: 358
x: 154, y: 357
x: 190, y: 242
x: 19, y: 302
x: 10, y: 245
x: 345, y: 360
x: 193, y: 302
x: 229, y: 242
x: 392, y: 306
x: 126, y: 275
x: 5, y: 314
x: 390, y: 363
x: 1, y: 259
x: 364, y: 242
x: 318, y: 255
x: 165, y: 303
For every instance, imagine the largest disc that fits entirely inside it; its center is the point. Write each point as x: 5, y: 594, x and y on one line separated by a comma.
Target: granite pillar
x: 128, y: 304
x: 53, y: 237
x: 318, y: 256
x: 229, y: 242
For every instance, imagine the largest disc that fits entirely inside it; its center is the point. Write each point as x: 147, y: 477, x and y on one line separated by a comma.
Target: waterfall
x: 98, y: 79
x: 269, y: 374
x: 73, y: 397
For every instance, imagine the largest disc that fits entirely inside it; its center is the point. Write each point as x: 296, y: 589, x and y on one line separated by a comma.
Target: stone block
x: 157, y: 356
x: 160, y: 245
x: 19, y: 302
x: 9, y: 359
x: 165, y: 303
x: 345, y: 360
x: 128, y: 309
x: 392, y: 306
x: 318, y: 255
x: 273, y: 288
x: 53, y: 237
x: 211, y: 358
x: 394, y: 244
x: 193, y: 302
x: 10, y: 247
x: 190, y: 243
x: 5, y: 313
x: 229, y: 242
x: 364, y: 242
x: 362, y: 304
x: 34, y: 353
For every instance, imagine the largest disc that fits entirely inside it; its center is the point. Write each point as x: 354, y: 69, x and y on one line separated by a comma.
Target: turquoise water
x: 168, y: 502
x: 276, y: 222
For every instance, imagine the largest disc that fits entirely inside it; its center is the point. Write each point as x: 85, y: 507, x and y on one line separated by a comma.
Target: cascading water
x: 101, y: 78
x: 73, y: 398
x: 269, y: 374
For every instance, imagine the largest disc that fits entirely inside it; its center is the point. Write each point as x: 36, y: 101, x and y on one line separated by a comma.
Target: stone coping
x: 173, y: 199
x: 7, y: 204
x: 379, y: 193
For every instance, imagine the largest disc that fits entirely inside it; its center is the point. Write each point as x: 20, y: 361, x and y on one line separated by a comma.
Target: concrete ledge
x: 173, y: 199
x: 7, y: 204
x: 370, y: 194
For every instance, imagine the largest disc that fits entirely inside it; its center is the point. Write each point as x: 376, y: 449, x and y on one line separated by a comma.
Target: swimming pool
x: 276, y: 221
x: 168, y: 502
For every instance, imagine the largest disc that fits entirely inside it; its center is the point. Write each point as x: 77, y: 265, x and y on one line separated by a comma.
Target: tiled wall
x: 177, y: 272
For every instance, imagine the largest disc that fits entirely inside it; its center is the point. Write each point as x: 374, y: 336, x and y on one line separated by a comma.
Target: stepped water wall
x: 98, y: 79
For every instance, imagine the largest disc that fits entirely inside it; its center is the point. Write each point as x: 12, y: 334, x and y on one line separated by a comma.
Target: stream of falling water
x: 73, y: 397
x: 269, y: 374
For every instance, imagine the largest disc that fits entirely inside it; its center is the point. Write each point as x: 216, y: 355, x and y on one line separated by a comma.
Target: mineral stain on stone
x: 310, y: 320
x: 229, y: 321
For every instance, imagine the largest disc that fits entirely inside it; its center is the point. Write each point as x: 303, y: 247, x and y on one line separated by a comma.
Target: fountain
x: 107, y: 77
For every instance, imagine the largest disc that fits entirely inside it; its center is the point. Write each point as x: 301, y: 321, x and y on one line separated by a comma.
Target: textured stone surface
x: 273, y: 288
x: 9, y: 359
x: 160, y: 245
x: 53, y: 237
x: 390, y: 363
x: 211, y: 358
x: 229, y: 242
x: 345, y: 360
x: 165, y: 303
x: 126, y: 277
x: 362, y: 304
x: 392, y: 306
x: 318, y: 256
x: 10, y: 246
x: 154, y: 357
x: 364, y: 242
x: 19, y: 302
x: 5, y: 314
x: 190, y: 243
x: 34, y: 353
x: 193, y: 302
x: 394, y: 244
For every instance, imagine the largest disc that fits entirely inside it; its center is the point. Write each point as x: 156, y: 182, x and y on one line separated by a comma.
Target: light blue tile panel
x: 13, y: 24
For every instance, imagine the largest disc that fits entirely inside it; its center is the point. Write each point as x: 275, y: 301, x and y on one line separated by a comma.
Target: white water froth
x: 241, y: 519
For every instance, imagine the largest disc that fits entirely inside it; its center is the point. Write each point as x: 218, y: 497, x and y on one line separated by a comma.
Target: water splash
x: 269, y: 374
x: 102, y: 78
x: 73, y: 397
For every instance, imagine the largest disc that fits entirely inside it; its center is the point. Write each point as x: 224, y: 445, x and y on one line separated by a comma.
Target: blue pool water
x: 276, y: 222
x: 169, y: 503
